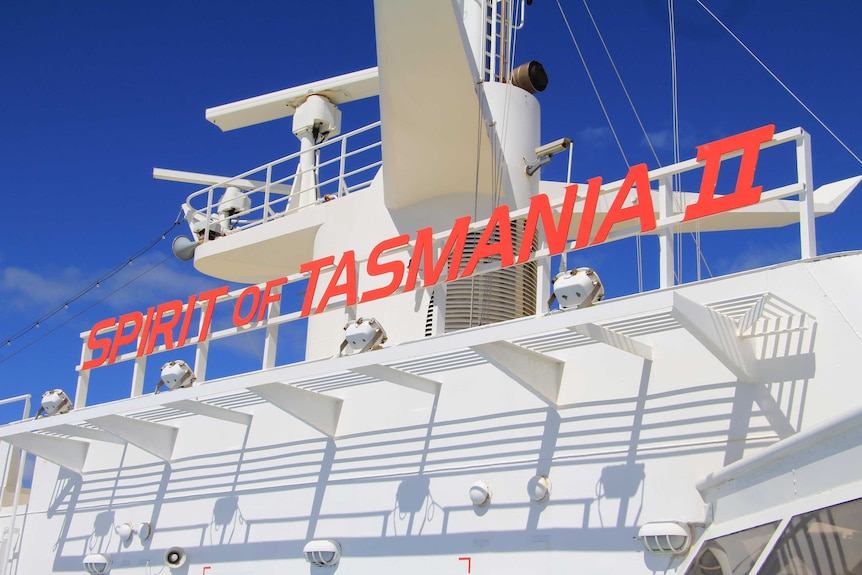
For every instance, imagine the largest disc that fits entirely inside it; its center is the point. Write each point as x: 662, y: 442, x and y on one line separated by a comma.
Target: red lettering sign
x: 495, y: 242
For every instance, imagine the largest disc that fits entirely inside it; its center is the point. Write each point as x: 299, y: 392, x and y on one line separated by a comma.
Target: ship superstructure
x: 462, y: 407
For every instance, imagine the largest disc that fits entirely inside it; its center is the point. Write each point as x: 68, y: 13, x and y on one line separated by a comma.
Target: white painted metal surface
x: 540, y: 444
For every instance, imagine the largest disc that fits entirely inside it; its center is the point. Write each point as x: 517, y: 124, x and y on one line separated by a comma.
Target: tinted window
x: 732, y: 554
x: 827, y: 542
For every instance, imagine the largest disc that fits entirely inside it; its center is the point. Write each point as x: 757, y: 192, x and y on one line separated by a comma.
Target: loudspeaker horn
x: 175, y: 557
x: 184, y: 248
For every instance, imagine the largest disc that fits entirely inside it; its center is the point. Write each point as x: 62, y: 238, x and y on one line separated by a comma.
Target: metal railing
x: 343, y: 165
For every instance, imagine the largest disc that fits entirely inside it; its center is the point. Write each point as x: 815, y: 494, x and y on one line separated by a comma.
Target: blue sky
x: 95, y: 94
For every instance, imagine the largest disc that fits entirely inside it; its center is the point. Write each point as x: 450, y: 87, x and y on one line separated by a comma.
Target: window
x: 826, y: 541
x: 732, y: 554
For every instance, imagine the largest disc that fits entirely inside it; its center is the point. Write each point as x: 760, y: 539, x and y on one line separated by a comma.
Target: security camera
x: 175, y: 557
x: 552, y: 148
x: 322, y: 552
x: 97, y: 563
x: 544, y: 153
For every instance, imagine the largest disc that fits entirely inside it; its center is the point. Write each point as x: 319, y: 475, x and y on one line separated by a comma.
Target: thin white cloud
x: 25, y: 290
x: 758, y: 256
x: 595, y: 137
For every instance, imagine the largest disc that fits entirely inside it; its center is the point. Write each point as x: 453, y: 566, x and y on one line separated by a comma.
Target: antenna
x: 282, y: 104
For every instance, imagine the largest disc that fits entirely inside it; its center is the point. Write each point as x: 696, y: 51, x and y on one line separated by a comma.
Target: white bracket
x: 718, y: 334
x: 153, y: 438
x: 398, y: 377
x: 315, y: 409
x: 87, y: 433
x: 68, y: 453
x: 207, y: 410
x: 540, y: 374
x: 614, y: 339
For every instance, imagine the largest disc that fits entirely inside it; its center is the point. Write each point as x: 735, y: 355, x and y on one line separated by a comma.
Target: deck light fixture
x: 322, y: 552
x: 97, y: 563
x: 176, y: 374
x: 128, y: 529
x: 54, y: 402
x: 577, y: 288
x: 362, y: 334
x: 539, y: 488
x: 480, y: 493
x: 665, y: 537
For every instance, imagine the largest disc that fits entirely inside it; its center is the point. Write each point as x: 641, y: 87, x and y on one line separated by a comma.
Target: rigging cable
x: 677, y: 179
x: 83, y: 311
x: 608, y: 118
x: 622, y: 84
x: 595, y: 89
x: 94, y: 285
x: 640, y: 123
x: 777, y: 79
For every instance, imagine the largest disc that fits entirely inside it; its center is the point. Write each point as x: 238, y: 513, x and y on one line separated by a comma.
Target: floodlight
x: 322, y: 552
x: 97, y: 563
x: 363, y: 334
x: 577, y: 288
x: 176, y: 374
x: 665, y: 537
x: 54, y: 402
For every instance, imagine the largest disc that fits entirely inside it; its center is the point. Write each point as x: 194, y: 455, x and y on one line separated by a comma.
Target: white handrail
x: 203, y: 206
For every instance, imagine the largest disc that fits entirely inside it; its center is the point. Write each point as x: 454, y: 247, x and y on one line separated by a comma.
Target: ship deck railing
x: 343, y: 165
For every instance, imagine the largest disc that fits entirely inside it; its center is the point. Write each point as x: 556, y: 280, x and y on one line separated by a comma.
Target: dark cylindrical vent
x: 530, y: 77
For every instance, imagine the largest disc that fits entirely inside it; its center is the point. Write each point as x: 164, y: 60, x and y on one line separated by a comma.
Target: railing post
x: 138, y: 376
x: 270, y: 343
x: 342, y: 185
x: 201, y: 351
x: 266, y: 193
x: 665, y: 209
x: 83, y: 375
x: 807, y: 236
x: 208, y: 214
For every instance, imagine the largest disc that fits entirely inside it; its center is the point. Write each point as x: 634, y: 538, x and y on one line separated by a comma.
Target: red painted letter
x: 314, y: 267
x: 166, y: 330
x: 503, y: 248
x: 394, y: 267
x: 556, y: 236
x: 749, y: 143
x: 423, y: 254
x: 187, y: 320
x: 585, y: 229
x: 638, y: 177
x: 96, y: 343
x: 269, y: 297
x: 348, y: 288
x: 120, y: 339
x: 239, y: 320
x: 210, y: 298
